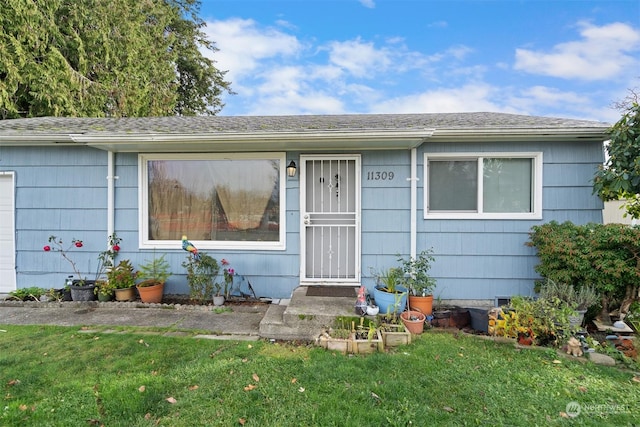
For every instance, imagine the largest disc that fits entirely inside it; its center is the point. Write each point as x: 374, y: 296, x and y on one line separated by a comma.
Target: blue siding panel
x: 63, y: 190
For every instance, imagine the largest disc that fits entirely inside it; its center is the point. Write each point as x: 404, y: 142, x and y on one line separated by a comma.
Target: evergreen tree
x: 114, y: 58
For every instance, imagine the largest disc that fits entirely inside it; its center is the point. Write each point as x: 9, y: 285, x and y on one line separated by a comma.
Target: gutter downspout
x: 110, y: 194
x: 414, y: 203
x: 413, y: 249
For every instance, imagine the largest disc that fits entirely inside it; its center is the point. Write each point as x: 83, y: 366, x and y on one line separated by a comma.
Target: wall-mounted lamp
x: 291, y: 169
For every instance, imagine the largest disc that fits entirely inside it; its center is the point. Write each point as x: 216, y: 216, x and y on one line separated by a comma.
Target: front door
x: 7, y: 234
x: 330, y: 219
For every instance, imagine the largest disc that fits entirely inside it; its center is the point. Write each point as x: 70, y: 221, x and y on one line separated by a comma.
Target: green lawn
x: 59, y: 376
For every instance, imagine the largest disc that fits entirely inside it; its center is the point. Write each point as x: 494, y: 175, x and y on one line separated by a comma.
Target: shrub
x: 201, y: 277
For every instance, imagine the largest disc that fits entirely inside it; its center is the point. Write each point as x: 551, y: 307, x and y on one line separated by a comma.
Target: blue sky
x: 559, y: 58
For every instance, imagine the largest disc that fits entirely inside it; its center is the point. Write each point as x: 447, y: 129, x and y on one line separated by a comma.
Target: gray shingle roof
x: 275, y: 124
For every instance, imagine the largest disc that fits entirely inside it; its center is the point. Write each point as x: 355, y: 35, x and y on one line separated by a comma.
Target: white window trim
x: 143, y: 202
x: 536, y: 183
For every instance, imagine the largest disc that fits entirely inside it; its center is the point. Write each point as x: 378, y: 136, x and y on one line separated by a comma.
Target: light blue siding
x: 63, y: 191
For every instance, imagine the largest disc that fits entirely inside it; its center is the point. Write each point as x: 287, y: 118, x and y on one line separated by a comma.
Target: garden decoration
x: 189, y: 247
x: 361, y: 303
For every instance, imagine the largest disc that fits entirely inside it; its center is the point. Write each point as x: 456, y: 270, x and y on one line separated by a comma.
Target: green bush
x: 605, y: 256
x: 201, y: 277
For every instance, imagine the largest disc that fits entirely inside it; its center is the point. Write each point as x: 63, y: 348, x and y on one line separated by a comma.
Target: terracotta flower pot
x: 413, y: 321
x: 423, y: 304
x: 152, y: 293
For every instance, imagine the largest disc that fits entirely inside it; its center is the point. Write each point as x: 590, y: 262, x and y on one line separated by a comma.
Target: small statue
x: 574, y: 347
x: 361, y: 302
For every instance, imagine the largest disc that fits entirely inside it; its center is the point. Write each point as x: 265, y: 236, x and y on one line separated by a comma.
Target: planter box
x: 351, y: 344
x: 366, y: 346
x: 343, y: 345
x: 395, y: 337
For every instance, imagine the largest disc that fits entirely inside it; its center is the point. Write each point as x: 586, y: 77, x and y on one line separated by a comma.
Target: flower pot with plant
x: 413, y: 321
x: 123, y: 278
x: 578, y: 299
x: 153, y: 273
x: 104, y: 290
x: 83, y: 289
x: 416, y: 278
x: 389, y: 295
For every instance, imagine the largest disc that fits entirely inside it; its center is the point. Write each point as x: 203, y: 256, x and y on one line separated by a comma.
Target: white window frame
x: 536, y: 184
x: 143, y: 202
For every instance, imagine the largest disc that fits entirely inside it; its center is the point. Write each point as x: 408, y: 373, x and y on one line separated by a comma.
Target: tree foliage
x: 619, y: 177
x: 114, y: 58
x: 605, y: 256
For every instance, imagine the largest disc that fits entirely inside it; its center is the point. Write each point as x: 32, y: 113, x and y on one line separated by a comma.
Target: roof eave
x: 243, y: 142
x: 521, y: 134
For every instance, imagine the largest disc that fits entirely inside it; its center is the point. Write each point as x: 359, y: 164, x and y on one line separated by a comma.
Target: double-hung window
x: 221, y: 201
x: 483, y: 185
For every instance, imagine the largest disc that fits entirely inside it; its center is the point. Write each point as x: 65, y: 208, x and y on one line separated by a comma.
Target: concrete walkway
x: 240, y: 322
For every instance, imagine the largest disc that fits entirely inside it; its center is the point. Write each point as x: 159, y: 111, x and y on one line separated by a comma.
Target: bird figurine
x: 188, y: 246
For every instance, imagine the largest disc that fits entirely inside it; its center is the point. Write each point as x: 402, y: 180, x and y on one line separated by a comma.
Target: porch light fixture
x: 291, y: 169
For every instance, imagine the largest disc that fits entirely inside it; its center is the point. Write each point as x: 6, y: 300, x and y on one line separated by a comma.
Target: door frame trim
x: 13, y: 280
x: 358, y: 237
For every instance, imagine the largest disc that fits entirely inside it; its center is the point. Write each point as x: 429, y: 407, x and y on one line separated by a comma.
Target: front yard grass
x: 62, y: 376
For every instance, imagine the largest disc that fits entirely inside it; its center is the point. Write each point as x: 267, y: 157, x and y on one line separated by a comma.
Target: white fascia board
x: 235, y: 142
x: 37, y: 139
x: 520, y: 134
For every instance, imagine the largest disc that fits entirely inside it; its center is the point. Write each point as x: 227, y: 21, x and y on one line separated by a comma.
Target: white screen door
x: 7, y: 234
x: 330, y: 217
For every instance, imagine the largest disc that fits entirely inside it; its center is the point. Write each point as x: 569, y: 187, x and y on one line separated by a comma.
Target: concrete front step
x: 304, y: 317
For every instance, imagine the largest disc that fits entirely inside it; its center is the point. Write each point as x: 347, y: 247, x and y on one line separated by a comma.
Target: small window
x: 483, y: 185
x: 233, y: 201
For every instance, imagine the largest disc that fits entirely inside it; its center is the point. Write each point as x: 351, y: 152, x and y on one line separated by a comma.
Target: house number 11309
x: 380, y: 175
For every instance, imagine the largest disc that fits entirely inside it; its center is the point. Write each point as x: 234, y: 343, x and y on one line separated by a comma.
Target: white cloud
x: 602, y: 53
x: 243, y: 44
x: 468, y: 98
x: 368, y: 3
x: 274, y: 72
x: 358, y: 58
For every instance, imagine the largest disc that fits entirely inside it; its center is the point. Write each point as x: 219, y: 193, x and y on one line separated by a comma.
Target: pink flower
x: 224, y: 262
x: 47, y: 248
x: 115, y: 248
x: 231, y: 271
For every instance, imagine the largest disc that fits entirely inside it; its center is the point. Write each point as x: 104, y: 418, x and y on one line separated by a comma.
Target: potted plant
x: 390, y: 296
x: 201, y: 277
x: 578, y: 300
x: 81, y: 288
x: 123, y: 278
x: 416, y: 278
x: 413, y: 320
x: 104, y: 290
x: 153, y: 274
